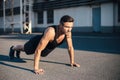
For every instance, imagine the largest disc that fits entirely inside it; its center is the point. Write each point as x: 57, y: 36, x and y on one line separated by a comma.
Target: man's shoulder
x: 50, y: 29
x: 53, y: 27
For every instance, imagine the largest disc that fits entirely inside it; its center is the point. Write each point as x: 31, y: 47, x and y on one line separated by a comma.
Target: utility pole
x: 21, y: 16
x: 4, y: 15
x: 12, y: 15
x: 27, y: 16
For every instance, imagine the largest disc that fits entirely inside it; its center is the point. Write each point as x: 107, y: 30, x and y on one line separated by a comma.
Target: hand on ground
x: 39, y: 71
x: 75, y: 65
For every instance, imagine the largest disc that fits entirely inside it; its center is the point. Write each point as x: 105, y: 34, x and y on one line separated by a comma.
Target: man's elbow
x: 70, y: 48
x: 37, y: 51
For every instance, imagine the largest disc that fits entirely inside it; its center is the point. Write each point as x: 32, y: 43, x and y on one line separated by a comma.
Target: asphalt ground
x: 98, y: 55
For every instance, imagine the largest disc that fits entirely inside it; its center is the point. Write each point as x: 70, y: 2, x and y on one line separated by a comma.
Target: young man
x: 42, y: 45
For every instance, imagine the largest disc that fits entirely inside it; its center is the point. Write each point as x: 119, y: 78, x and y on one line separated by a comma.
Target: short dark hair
x: 66, y: 18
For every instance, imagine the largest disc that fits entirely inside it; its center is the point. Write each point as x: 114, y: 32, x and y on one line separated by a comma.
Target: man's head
x: 66, y: 18
x: 67, y: 23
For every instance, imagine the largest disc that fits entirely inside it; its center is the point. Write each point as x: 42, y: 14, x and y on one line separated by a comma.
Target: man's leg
x: 18, y: 54
x: 11, y: 53
x: 16, y: 48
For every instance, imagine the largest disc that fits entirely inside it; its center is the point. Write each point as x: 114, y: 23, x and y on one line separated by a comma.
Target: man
x: 43, y: 45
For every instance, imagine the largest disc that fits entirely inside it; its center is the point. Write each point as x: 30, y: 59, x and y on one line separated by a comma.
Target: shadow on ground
x: 4, y: 59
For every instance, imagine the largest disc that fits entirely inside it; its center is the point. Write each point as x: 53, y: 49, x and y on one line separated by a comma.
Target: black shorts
x: 32, y: 44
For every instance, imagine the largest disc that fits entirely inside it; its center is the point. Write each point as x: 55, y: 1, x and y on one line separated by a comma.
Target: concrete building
x: 89, y: 15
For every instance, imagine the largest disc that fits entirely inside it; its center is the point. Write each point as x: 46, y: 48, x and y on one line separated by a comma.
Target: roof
x: 65, y: 4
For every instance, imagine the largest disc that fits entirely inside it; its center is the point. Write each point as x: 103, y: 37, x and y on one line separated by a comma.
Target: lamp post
x: 4, y: 24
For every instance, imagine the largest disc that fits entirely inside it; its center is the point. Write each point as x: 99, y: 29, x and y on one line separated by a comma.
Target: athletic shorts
x: 32, y: 44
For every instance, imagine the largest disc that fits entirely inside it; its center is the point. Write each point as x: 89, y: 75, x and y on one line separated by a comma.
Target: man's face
x: 67, y: 27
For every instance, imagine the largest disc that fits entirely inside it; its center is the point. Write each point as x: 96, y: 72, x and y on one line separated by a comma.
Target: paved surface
x: 99, y: 57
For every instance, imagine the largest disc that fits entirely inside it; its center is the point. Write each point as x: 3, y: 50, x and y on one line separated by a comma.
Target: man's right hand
x: 39, y: 71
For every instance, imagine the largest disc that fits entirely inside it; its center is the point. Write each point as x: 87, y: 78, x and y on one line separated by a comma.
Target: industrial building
x: 29, y: 16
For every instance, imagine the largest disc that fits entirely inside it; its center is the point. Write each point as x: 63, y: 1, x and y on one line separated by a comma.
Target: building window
x: 50, y: 16
x: 40, y: 17
x: 118, y: 11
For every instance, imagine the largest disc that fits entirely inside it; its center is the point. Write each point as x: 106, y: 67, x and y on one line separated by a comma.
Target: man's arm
x: 42, y: 44
x: 71, y: 49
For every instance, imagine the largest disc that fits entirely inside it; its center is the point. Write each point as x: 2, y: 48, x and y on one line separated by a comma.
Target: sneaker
x: 18, y: 54
x: 11, y: 53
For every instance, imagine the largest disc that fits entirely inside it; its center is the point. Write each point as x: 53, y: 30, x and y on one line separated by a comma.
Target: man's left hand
x: 75, y: 65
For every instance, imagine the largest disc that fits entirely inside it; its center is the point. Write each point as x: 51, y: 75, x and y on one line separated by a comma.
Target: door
x: 96, y: 19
